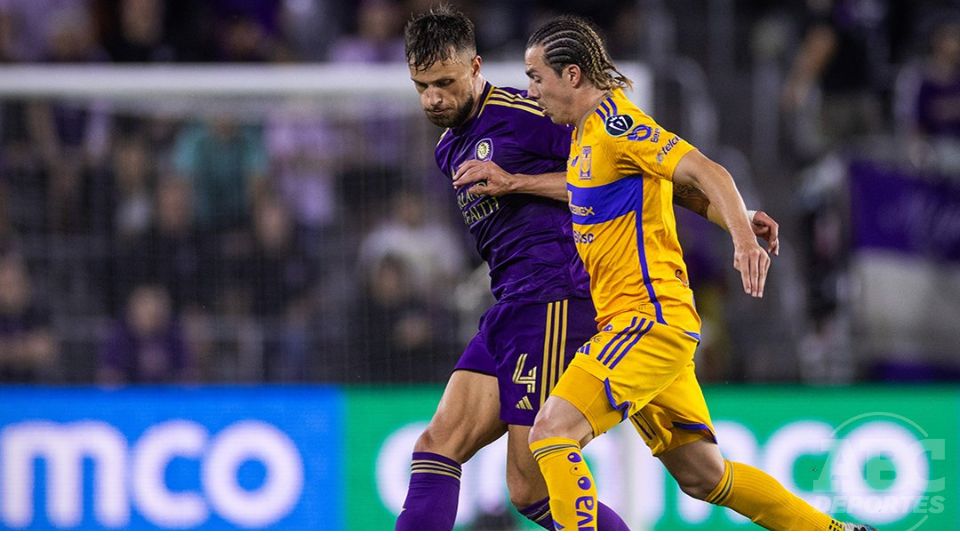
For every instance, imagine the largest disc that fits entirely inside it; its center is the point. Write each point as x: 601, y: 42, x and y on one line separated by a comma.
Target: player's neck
x: 478, y: 85
x: 589, y: 101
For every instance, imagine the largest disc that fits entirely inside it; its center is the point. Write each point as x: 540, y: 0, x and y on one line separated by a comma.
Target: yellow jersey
x: 620, y: 191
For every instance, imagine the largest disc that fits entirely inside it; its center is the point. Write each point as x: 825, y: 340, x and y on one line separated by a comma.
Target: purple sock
x: 607, y: 519
x: 432, y: 496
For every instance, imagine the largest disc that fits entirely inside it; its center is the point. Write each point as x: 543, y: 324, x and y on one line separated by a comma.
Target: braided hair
x: 437, y: 35
x: 571, y: 40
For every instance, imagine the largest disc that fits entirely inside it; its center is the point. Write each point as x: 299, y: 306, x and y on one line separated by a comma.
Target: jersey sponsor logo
x: 586, y: 163
x: 618, y: 124
x: 484, y: 150
x: 662, y: 154
x: 582, y: 238
x: 582, y: 211
x: 476, y: 208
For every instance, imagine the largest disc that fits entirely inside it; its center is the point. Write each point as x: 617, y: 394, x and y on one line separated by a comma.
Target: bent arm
x: 488, y: 178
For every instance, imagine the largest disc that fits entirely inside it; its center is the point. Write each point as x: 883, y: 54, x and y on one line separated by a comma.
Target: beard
x: 457, y: 118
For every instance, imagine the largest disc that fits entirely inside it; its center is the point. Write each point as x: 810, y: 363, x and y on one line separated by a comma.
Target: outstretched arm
x: 711, y: 179
x: 489, y: 179
x: 764, y: 227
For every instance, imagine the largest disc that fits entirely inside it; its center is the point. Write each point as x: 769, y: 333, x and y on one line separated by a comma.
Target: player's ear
x: 475, y: 65
x: 572, y: 74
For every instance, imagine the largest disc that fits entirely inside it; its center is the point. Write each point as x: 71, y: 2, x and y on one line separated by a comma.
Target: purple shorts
x: 526, y: 347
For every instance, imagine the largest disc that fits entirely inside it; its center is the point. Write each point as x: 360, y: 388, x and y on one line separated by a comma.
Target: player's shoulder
x: 511, y: 101
x: 617, y: 118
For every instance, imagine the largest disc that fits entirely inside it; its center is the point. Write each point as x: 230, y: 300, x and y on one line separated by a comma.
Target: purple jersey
x: 526, y: 240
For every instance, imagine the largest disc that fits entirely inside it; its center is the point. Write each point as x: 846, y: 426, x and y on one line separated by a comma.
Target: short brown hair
x: 433, y: 36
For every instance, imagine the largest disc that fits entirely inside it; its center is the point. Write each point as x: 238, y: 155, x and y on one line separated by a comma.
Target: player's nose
x: 433, y: 98
x: 532, y: 92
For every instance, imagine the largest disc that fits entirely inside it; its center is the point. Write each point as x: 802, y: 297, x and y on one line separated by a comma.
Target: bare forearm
x: 691, y: 198
x: 711, y: 189
x: 549, y: 185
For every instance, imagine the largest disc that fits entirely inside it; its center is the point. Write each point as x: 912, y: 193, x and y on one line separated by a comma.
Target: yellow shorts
x: 638, y: 369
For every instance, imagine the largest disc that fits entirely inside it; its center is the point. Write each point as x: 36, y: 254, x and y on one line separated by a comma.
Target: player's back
x: 525, y: 239
x: 621, y: 199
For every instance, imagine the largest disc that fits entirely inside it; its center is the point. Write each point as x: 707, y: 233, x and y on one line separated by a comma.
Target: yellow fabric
x: 760, y: 497
x: 621, y: 197
x: 642, y: 370
x: 573, y: 493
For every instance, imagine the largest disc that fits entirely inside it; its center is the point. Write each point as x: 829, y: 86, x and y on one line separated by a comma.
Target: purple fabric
x: 431, y: 503
x: 157, y: 359
x: 510, y: 329
x: 524, y: 239
x: 903, y: 213
x: 933, y: 104
x: 607, y: 519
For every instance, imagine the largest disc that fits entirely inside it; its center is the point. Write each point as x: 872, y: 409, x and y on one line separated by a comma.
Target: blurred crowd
x: 140, y: 248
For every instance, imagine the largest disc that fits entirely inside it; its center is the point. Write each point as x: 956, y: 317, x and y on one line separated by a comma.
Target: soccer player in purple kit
x: 508, y: 162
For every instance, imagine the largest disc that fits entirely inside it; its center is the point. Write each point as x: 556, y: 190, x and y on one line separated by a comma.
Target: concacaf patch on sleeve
x: 618, y: 124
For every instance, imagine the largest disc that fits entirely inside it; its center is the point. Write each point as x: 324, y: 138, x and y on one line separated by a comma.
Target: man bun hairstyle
x: 571, y: 40
x: 437, y: 35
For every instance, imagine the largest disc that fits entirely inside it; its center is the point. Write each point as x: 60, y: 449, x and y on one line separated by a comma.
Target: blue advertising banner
x: 171, y: 458
x: 902, y: 212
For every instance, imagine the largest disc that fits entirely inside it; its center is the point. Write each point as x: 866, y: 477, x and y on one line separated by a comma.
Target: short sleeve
x: 650, y: 150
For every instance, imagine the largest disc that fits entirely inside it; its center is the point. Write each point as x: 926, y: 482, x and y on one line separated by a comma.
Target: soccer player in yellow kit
x: 622, y: 172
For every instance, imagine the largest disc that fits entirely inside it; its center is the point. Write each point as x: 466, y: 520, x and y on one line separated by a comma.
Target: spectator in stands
x: 28, y: 346
x: 937, y: 105
x: 396, y: 335
x: 247, y: 30
x: 283, y: 278
x: 71, y: 138
x: 137, y: 32
x: 168, y: 253
x: 840, y: 55
x: 430, y: 251
x: 226, y: 164
x: 7, y: 239
x: 147, y: 344
x: 378, y: 36
x: 310, y: 26
x: 303, y: 151
x: 24, y: 26
x: 132, y: 174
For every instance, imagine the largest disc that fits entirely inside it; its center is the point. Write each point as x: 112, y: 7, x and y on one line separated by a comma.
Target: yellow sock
x: 573, y: 495
x: 757, y: 495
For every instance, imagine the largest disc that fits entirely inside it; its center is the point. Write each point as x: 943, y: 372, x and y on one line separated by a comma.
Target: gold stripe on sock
x: 433, y: 470
x: 441, y: 473
x: 553, y: 449
x: 723, y: 487
x: 722, y: 498
x: 439, y: 464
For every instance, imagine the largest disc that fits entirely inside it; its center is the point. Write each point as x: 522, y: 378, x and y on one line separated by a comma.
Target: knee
x: 447, y: 441
x: 553, y: 422
x: 701, y: 481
